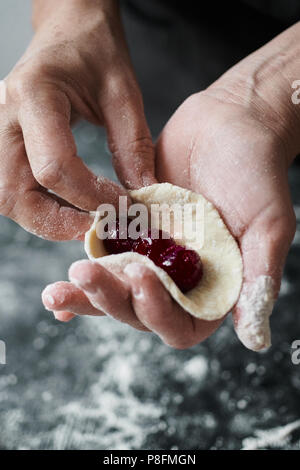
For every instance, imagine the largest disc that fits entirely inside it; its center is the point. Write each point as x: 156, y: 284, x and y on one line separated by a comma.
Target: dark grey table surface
x: 97, y: 384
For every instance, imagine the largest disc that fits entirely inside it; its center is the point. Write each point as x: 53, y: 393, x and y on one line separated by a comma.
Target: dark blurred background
x: 97, y: 384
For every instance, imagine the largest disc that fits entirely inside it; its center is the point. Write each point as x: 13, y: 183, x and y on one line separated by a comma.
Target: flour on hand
x: 255, y: 307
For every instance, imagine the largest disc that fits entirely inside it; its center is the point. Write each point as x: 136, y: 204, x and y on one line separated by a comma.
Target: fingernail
x: 79, y: 276
x: 48, y: 299
x: 91, y: 288
x: 86, y: 285
x: 255, y: 307
x: 133, y: 271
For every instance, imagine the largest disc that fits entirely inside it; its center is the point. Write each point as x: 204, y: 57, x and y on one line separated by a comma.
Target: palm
x: 221, y: 151
x: 237, y: 163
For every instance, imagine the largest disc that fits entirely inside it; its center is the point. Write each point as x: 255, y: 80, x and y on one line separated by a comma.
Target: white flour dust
x: 276, y: 437
x: 255, y: 305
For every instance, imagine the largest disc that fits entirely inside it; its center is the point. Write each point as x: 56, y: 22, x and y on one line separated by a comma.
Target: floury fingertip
x: 254, y: 309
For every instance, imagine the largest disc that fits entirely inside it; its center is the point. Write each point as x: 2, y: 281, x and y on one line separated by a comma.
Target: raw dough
x: 220, y: 286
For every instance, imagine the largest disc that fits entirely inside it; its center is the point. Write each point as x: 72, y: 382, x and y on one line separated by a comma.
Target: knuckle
x: 50, y: 174
x: 21, y: 84
x: 142, y: 147
x: 122, y: 89
x: 25, y: 81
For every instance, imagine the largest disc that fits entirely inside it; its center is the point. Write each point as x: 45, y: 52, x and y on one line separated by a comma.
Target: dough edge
x: 220, y: 286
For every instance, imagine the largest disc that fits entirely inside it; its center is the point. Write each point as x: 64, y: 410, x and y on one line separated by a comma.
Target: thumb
x: 52, y: 153
x: 264, y: 249
x: 129, y: 137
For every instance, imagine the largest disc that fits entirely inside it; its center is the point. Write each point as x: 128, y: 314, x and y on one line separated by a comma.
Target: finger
x: 157, y: 311
x: 128, y: 134
x: 37, y: 211
x: 24, y: 200
x: 264, y: 249
x: 64, y: 316
x: 42, y: 215
x: 52, y: 154
x: 104, y: 290
x: 64, y: 296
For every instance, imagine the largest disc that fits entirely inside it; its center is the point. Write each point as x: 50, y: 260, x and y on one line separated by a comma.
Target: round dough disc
x: 219, y: 288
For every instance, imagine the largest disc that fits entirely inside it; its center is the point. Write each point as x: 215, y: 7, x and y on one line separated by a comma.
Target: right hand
x: 77, y: 66
x: 222, y: 150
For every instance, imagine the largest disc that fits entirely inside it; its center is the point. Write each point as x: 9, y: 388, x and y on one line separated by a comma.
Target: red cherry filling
x: 152, y: 247
x: 114, y: 244
x: 183, y: 265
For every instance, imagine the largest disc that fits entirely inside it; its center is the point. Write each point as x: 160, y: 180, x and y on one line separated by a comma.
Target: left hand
x: 76, y: 67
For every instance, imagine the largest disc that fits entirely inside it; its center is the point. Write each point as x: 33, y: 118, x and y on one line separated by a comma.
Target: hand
x: 221, y: 148
x: 233, y: 144
x: 77, y: 66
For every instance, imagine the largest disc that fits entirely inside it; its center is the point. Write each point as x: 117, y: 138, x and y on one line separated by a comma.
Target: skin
x: 72, y: 69
x: 232, y: 142
x: 257, y: 210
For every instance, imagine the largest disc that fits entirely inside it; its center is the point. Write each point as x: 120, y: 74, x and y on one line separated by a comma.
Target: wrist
x: 263, y: 84
x: 67, y: 11
x: 73, y: 32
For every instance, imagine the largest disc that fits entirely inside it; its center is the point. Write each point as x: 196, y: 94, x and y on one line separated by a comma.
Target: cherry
x: 184, y: 266
x: 152, y: 247
x: 114, y: 244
